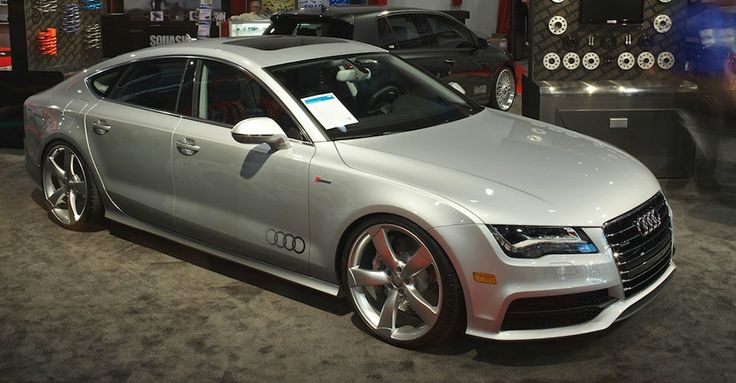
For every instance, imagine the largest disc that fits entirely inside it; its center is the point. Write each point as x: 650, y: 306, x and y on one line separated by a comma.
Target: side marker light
x: 485, y: 278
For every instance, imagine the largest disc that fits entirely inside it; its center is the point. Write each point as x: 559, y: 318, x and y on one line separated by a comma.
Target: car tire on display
x: 401, y: 284
x: 70, y: 192
x: 504, y: 89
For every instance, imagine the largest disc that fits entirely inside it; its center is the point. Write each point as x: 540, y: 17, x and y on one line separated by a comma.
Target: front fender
x: 352, y: 195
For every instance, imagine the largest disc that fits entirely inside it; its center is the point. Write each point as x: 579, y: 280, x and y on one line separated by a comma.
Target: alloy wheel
x: 394, y: 282
x: 505, y: 89
x: 65, y: 185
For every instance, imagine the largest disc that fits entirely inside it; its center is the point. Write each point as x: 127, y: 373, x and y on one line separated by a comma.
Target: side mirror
x: 261, y: 130
x: 457, y: 87
x: 482, y: 43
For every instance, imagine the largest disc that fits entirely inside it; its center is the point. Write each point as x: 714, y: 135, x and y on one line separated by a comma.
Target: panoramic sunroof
x: 273, y: 43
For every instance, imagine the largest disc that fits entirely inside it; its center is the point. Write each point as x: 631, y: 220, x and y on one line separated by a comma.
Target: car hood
x: 507, y: 169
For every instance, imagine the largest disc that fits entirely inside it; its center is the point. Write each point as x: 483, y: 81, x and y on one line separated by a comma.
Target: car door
x: 246, y: 199
x: 441, y: 45
x: 129, y: 134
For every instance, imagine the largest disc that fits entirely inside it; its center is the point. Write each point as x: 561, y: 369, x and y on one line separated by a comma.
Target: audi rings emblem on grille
x: 648, y: 222
x: 286, y: 241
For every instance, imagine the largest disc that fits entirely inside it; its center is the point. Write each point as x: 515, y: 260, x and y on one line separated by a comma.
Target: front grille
x: 555, y: 311
x: 641, y: 256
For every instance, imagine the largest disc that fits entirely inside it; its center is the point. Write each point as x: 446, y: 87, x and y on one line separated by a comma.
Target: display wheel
x: 552, y: 61
x: 591, y: 61
x: 626, y: 61
x: 571, y: 61
x: 557, y: 25
x: 666, y: 60
x: 662, y: 23
x: 645, y: 60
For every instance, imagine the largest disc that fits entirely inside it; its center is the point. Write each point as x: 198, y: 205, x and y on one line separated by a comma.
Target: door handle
x: 187, y: 146
x: 450, y: 61
x: 101, y: 127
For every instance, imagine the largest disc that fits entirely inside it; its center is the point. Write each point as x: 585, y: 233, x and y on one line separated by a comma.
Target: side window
x: 153, y: 84
x: 410, y: 31
x: 314, y: 27
x: 386, y: 38
x: 448, y: 34
x: 103, y: 83
x: 228, y: 95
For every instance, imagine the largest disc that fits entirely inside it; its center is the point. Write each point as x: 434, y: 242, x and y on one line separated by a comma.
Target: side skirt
x: 316, y: 284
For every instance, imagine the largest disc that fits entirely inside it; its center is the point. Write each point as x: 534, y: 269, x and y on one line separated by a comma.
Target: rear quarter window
x: 103, y: 83
x: 152, y: 84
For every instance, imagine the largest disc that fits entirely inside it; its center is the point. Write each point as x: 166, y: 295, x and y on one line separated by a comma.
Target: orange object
x: 485, y: 278
x: 47, y: 42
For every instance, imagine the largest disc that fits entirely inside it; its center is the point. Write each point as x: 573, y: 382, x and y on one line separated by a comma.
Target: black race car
x: 432, y: 40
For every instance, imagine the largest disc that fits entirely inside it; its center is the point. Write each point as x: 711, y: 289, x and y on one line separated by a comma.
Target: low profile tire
x: 401, y: 284
x: 70, y: 192
x: 504, y: 89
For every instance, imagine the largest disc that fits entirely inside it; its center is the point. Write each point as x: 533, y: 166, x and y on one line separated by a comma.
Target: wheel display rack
x: 617, y: 83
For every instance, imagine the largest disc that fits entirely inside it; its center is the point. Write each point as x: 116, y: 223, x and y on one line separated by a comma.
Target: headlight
x: 534, y: 242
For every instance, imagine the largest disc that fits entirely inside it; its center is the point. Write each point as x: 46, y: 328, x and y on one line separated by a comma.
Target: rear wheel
x: 70, y: 192
x: 401, y: 284
x: 504, y: 89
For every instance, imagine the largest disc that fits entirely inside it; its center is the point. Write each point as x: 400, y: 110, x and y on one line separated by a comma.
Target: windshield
x: 371, y: 95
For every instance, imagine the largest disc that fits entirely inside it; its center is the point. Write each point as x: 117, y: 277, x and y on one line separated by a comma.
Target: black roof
x: 275, y: 42
x: 348, y: 10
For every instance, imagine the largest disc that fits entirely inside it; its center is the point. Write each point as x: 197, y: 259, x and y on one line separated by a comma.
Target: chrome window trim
x: 260, y: 82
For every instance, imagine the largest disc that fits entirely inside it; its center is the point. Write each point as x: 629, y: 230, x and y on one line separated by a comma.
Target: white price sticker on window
x: 329, y: 111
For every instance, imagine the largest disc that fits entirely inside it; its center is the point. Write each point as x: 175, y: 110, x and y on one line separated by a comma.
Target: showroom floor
x: 118, y: 304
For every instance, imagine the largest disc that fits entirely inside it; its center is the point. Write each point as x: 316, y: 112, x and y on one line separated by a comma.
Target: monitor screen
x: 616, y: 12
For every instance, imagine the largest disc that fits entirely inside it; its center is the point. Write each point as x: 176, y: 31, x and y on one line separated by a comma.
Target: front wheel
x: 401, y: 284
x: 70, y: 191
x: 504, y: 89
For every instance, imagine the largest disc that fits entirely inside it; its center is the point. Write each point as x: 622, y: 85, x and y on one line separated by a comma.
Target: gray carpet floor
x: 118, y: 304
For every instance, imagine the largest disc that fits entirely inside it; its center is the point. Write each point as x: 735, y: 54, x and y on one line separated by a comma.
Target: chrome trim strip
x: 657, y: 267
x: 656, y: 258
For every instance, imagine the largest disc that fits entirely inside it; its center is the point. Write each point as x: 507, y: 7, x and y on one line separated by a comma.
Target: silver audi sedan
x: 341, y: 167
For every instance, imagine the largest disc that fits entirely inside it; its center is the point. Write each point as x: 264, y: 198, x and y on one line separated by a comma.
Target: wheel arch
x: 350, y: 228
x: 464, y: 300
x: 63, y: 139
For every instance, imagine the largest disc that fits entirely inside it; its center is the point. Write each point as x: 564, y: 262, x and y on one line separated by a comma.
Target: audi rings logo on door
x: 286, y: 241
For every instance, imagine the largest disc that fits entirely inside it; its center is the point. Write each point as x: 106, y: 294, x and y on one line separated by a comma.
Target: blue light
x: 587, y: 248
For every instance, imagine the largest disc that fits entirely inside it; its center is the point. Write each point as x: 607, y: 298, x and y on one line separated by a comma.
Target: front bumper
x: 473, y: 249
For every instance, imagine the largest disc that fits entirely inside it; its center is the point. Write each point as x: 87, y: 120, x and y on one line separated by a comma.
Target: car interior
x: 229, y: 96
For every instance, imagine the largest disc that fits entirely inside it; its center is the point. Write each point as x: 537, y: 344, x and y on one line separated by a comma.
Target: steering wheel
x: 382, y: 99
